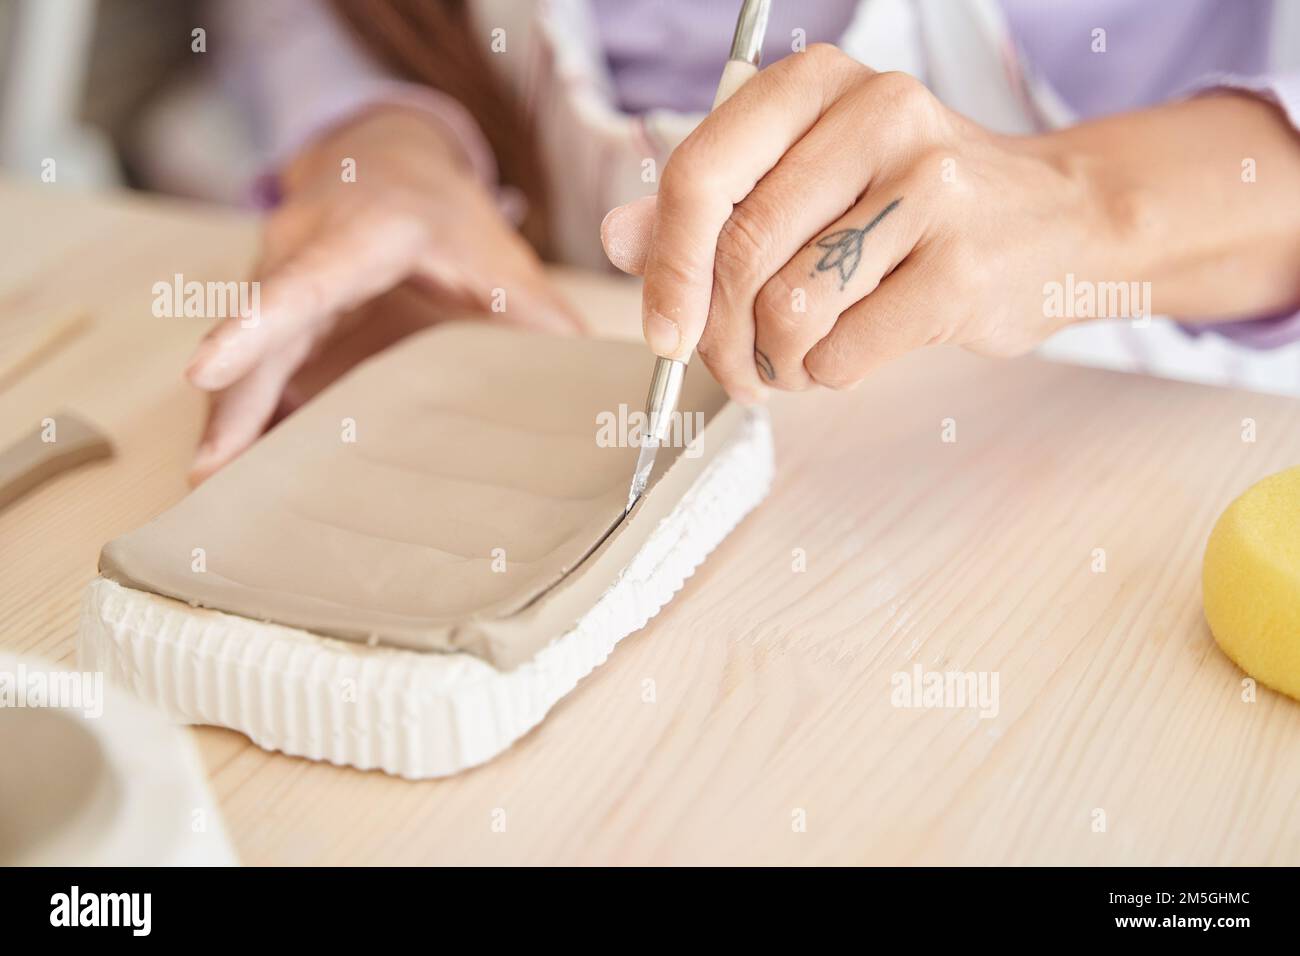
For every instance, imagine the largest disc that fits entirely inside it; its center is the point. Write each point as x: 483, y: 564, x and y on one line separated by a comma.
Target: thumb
x: 625, y: 234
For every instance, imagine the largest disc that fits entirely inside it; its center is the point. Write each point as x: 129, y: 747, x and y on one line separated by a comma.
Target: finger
x: 845, y: 263
x: 528, y: 298
x: 296, y: 300
x: 625, y: 234
x: 770, y: 226
x: 895, y: 319
x: 238, y: 415
x: 727, y: 348
x: 499, y: 273
x: 712, y: 171
x: 537, y: 305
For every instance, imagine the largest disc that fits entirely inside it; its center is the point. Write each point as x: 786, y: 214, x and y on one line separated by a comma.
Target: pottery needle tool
x: 666, y: 380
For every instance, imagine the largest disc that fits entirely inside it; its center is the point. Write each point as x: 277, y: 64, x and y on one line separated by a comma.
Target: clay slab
x: 449, y: 494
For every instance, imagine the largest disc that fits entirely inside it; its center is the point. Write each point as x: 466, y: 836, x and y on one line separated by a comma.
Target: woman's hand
x: 414, y: 214
x: 828, y: 218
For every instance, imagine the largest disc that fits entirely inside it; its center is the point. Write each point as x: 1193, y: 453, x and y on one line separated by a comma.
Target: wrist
x: 1117, y: 219
x: 1178, y: 206
x: 392, y: 142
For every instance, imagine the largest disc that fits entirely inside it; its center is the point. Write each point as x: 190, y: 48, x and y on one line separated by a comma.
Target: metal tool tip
x: 645, y: 462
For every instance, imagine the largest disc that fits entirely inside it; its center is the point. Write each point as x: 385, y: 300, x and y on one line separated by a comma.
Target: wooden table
x: 753, y: 721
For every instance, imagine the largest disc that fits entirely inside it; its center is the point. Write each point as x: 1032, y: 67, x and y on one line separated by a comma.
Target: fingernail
x: 198, y: 362
x: 207, y: 372
x: 203, y: 457
x: 751, y: 396
x: 662, y: 333
x: 560, y: 322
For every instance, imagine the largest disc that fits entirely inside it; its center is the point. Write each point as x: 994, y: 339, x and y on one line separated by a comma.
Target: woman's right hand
x: 414, y: 214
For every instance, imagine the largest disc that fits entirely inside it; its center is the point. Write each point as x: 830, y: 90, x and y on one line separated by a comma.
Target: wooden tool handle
x: 62, y: 442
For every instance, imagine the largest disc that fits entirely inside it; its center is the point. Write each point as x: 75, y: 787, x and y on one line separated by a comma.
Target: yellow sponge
x: 1251, y: 581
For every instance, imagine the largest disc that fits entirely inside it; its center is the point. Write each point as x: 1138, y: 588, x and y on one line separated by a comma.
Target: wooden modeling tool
x: 60, y: 443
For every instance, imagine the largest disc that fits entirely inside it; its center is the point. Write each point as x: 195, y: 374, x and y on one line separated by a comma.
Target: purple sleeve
x: 1275, y: 331
x: 298, y: 74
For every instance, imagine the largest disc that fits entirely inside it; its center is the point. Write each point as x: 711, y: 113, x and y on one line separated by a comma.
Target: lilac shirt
x: 666, y: 54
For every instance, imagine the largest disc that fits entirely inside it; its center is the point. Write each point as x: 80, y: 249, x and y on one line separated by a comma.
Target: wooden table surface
x: 754, y: 720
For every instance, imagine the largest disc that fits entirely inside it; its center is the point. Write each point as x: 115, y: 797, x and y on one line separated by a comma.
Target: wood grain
x: 762, y: 695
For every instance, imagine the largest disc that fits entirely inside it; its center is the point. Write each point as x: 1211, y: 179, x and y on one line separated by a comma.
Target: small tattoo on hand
x: 765, y: 367
x: 844, y: 247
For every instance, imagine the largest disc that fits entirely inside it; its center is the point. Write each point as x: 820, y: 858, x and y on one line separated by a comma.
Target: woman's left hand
x: 828, y: 218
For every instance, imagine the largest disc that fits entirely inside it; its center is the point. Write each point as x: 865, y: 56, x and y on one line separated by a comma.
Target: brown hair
x: 434, y: 42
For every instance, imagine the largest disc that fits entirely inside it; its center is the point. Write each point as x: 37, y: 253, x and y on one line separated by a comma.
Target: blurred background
x: 114, y: 89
